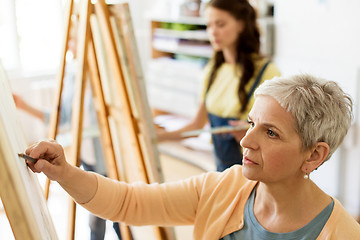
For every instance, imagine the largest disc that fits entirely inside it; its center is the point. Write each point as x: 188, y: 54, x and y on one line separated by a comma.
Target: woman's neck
x: 230, y: 55
x: 276, y: 204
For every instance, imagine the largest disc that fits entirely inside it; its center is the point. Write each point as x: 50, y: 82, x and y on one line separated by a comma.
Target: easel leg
x: 78, y: 101
x: 54, y: 119
x: 109, y: 154
x: 102, y: 115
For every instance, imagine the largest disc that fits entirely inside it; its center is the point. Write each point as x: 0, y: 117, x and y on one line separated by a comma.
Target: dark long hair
x: 248, y: 43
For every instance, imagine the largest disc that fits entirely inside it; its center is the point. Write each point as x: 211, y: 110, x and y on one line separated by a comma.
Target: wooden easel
x: 87, y: 64
x: 20, y: 191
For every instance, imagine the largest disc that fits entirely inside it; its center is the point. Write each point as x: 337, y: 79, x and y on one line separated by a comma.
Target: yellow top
x: 222, y: 98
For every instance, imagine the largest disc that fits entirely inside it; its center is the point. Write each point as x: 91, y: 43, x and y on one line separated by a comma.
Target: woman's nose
x: 211, y: 32
x: 248, y: 141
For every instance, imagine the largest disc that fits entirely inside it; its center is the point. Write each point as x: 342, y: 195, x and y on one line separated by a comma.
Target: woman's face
x: 272, y: 147
x: 223, y: 29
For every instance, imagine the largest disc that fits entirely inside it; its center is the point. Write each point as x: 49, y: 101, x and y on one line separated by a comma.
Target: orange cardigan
x: 213, y: 202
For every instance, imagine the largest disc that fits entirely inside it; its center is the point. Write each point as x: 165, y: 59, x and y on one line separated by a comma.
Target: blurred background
x: 320, y: 37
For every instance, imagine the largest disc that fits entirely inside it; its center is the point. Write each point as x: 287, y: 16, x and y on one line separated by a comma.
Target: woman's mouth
x: 248, y: 161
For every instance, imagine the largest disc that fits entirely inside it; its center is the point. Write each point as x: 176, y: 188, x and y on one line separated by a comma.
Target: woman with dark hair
x: 231, y: 76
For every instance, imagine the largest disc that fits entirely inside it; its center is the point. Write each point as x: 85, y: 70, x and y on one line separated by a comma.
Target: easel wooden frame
x: 87, y: 64
x: 134, y: 80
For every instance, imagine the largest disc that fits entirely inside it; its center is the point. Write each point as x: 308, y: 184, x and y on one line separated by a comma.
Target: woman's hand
x: 80, y: 185
x: 19, y: 102
x: 51, y: 159
x: 160, y: 133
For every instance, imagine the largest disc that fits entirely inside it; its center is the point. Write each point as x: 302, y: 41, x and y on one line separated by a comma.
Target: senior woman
x: 296, y: 124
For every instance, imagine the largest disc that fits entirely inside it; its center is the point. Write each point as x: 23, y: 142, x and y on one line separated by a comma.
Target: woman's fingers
x: 32, y: 167
x: 50, y: 170
x: 50, y: 157
x: 30, y: 148
x: 48, y: 150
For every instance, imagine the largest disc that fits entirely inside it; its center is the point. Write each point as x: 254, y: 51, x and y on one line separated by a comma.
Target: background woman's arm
x: 197, y: 123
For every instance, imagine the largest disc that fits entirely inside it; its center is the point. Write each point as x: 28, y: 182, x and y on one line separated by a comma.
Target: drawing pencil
x: 26, y: 157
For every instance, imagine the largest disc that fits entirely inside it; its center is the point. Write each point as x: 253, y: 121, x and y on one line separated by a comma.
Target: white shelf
x: 200, y: 35
x: 192, y: 50
x: 184, y: 20
x: 177, y: 102
x: 173, y: 83
x: 187, y: 51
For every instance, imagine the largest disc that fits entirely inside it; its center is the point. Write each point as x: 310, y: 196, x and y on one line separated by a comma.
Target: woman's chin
x: 248, y: 173
x: 216, y: 47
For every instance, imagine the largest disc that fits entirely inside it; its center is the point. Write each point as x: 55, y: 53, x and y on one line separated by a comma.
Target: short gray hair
x: 321, y: 109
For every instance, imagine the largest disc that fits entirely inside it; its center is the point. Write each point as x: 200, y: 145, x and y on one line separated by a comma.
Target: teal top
x: 253, y: 230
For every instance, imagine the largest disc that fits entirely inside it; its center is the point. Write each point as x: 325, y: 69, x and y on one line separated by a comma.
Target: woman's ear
x: 317, y: 157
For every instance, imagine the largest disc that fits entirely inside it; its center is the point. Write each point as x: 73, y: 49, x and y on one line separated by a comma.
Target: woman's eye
x: 251, y: 123
x: 220, y: 24
x: 271, y: 133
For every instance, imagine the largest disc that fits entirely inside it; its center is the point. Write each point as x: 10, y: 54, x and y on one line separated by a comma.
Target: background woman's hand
x: 160, y: 133
x: 19, y: 102
x: 51, y: 159
x: 238, y: 135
